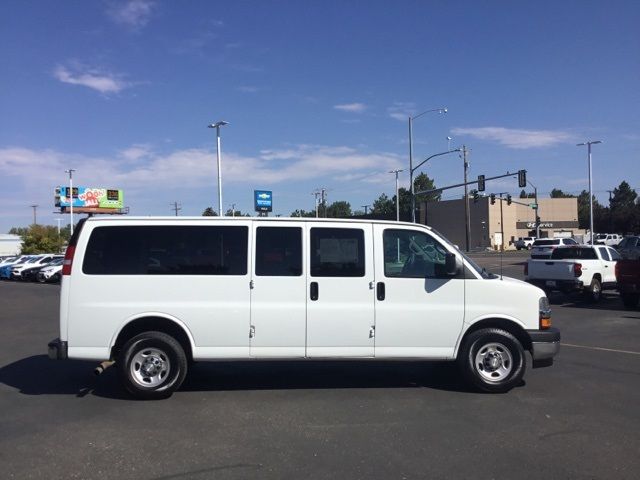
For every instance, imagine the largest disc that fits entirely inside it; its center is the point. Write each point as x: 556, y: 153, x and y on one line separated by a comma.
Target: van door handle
x: 313, y: 291
x: 380, y: 291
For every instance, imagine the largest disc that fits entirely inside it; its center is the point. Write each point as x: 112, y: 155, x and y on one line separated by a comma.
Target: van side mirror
x: 450, y: 264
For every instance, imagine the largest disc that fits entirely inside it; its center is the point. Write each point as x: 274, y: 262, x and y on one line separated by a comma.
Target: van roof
x: 259, y: 219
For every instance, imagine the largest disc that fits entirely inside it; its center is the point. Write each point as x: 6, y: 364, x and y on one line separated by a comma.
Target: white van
x: 154, y: 294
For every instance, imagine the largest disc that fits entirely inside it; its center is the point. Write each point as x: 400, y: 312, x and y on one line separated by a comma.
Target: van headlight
x: 544, y: 313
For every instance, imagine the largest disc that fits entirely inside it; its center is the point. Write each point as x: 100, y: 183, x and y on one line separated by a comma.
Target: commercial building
x: 558, y: 218
x: 10, y: 244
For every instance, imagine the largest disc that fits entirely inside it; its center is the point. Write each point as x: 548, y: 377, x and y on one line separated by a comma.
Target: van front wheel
x: 492, y: 360
x: 152, y: 365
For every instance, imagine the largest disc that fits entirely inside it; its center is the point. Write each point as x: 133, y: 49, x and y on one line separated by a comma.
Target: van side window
x: 412, y: 254
x: 167, y: 250
x: 279, y: 251
x: 337, y: 252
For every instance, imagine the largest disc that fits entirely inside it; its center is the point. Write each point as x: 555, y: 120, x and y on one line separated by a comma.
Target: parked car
x: 609, y: 239
x: 30, y: 274
x: 628, y: 276
x: 252, y: 288
x: 524, y: 243
x: 5, y: 270
x: 629, y: 248
x: 6, y: 260
x: 576, y: 268
x: 544, y: 247
x: 50, y: 272
x: 35, y: 261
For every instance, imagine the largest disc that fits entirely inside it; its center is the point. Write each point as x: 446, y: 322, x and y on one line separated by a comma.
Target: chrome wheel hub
x: 493, y: 362
x: 150, y: 367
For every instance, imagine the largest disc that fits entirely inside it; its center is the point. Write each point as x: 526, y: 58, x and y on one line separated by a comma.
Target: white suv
x: 524, y: 243
x: 544, y: 247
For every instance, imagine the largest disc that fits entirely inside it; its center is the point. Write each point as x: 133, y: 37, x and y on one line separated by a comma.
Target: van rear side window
x: 167, y: 250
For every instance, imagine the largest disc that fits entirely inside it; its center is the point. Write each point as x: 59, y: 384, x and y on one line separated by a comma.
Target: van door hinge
x: 251, y: 284
x: 252, y: 331
x: 372, y: 331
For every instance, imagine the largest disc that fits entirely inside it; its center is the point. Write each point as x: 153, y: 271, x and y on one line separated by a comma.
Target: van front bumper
x: 545, y: 344
x: 57, y: 349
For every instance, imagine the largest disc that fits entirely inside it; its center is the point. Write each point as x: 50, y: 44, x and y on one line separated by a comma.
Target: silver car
x: 543, y: 248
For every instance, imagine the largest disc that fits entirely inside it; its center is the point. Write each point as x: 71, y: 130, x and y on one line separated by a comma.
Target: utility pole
x: 70, y: 196
x: 316, y: 193
x: 324, y: 201
x: 35, y: 218
x: 501, y: 229
x: 610, y: 211
x: 467, y: 219
x: 397, y: 195
x: 176, y: 206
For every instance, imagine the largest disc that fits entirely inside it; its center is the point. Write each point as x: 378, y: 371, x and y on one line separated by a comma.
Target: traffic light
x: 493, y: 198
x: 508, y: 199
x: 537, y: 221
x: 476, y: 196
x: 481, y: 183
x: 522, y: 178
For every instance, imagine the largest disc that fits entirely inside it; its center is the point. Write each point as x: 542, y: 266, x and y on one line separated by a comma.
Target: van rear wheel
x: 152, y: 365
x: 492, y: 360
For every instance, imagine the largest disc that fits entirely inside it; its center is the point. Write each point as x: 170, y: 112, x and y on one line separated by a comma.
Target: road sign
x: 533, y: 205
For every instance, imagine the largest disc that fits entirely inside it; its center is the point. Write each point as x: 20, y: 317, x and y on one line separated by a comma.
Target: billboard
x: 89, y: 197
x: 263, y: 200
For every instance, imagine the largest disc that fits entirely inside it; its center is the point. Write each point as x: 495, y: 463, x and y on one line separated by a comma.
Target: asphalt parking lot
x: 579, y: 418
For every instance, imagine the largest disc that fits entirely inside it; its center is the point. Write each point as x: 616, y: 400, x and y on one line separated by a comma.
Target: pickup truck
x: 628, y: 277
x: 524, y: 243
x: 578, y: 268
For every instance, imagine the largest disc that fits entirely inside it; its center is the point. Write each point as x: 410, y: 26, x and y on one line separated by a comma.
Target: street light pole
x: 411, y: 169
x: 588, y: 144
x: 535, y: 197
x: 217, y: 126
x: 397, y: 194
x: 70, y: 172
x: 35, y: 218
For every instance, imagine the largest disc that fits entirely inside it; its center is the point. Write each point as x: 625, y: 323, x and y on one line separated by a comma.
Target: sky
x: 317, y: 95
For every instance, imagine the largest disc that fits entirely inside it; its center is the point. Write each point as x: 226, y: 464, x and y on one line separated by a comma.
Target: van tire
x: 152, y: 365
x: 492, y: 360
x: 593, y: 294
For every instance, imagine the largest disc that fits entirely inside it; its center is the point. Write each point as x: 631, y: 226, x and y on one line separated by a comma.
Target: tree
x: 600, y: 213
x: 303, y: 213
x: 235, y: 213
x: 624, y: 214
x: 524, y: 194
x: 40, y: 239
x: 557, y: 193
x: 339, y: 209
x: 209, y: 212
x: 383, y: 206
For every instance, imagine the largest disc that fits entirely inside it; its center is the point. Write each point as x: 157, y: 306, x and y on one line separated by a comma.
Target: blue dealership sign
x: 263, y: 200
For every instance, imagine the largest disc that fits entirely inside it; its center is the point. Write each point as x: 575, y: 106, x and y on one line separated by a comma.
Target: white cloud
x: 96, y: 79
x: 136, y: 151
x: 351, y: 107
x: 133, y: 14
x: 248, y: 89
x: 192, y: 168
x: 515, y: 138
x: 401, y: 110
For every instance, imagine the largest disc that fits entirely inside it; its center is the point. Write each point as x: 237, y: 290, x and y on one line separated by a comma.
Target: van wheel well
x: 507, y: 325
x: 156, y: 324
x: 597, y: 276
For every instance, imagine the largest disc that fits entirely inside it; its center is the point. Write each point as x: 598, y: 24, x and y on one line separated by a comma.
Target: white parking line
x: 599, y: 348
